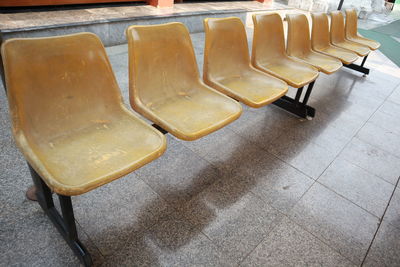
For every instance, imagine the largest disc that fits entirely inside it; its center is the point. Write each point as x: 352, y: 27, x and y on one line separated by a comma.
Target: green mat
x: 391, y: 29
x: 389, y: 46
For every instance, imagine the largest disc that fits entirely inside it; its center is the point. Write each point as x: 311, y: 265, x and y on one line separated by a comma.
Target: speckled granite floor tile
x: 385, y: 248
x: 274, y: 181
x: 232, y: 217
x: 303, y: 154
x: 112, y: 212
x: 336, y: 221
x: 357, y: 185
x: 381, y: 138
x: 290, y: 245
x: 179, y: 174
x: 372, y: 159
x: 392, y: 214
x: 173, y: 241
x: 395, y: 96
x: 31, y: 239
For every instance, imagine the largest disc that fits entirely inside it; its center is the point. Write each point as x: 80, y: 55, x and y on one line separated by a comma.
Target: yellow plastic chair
x: 227, y: 66
x: 165, y: 86
x: 352, y: 33
x: 320, y: 40
x: 299, y: 45
x: 70, y: 123
x: 269, y: 55
x: 338, y: 36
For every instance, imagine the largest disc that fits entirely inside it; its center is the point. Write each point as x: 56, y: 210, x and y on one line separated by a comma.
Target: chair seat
x: 360, y: 50
x: 343, y: 55
x: 323, y: 63
x: 373, y: 45
x: 295, y: 73
x: 105, y: 150
x: 253, y: 88
x: 193, y: 114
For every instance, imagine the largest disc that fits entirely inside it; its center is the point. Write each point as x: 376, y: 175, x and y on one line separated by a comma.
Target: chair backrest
x: 337, y: 27
x: 162, y: 63
x: 320, y: 30
x: 268, y: 38
x: 226, y: 51
x: 351, y: 23
x: 58, y: 84
x: 298, y: 42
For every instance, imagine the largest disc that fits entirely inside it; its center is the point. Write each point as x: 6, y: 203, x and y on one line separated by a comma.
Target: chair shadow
x: 171, y: 231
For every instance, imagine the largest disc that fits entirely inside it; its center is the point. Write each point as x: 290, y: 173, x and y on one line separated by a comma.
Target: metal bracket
x: 158, y: 127
x: 65, y: 224
x: 359, y: 68
x: 296, y: 107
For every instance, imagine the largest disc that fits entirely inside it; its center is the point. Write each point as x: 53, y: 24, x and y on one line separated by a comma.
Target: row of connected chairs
x: 70, y: 122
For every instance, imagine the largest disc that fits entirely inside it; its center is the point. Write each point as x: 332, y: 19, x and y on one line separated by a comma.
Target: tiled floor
x: 269, y: 189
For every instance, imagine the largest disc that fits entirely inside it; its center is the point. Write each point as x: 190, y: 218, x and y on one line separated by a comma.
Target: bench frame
x: 296, y: 107
x: 65, y: 223
x: 359, y: 68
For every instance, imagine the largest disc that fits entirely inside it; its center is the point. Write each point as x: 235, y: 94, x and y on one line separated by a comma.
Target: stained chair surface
x: 338, y: 36
x: 68, y: 118
x: 299, y: 45
x: 165, y: 86
x: 269, y: 55
x: 320, y: 40
x: 352, y: 33
x: 227, y: 65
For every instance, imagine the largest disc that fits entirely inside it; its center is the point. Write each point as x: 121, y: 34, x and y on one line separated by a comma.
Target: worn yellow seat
x: 269, y: 55
x: 338, y: 36
x: 320, y: 40
x: 165, y: 86
x: 67, y: 113
x: 352, y: 33
x: 299, y: 45
x: 227, y: 65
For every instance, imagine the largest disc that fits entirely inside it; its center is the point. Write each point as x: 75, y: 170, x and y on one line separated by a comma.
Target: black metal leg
x: 65, y: 224
x: 364, y: 59
x: 340, y: 5
x: 298, y: 95
x: 308, y: 93
x: 158, y: 127
x: 296, y: 107
x: 359, y: 68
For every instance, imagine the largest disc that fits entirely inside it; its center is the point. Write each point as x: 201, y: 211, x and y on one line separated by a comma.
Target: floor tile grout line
x: 314, y: 180
x: 201, y: 230
x: 340, y: 195
x: 275, y: 156
x: 361, y: 167
x: 355, y: 134
x: 304, y: 229
x: 337, y: 155
x: 380, y: 223
x: 375, y: 145
x: 90, y: 239
x: 320, y: 239
x: 268, y: 234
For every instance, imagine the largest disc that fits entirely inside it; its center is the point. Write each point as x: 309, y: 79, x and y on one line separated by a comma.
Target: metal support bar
x: 296, y: 107
x: 308, y: 93
x: 65, y: 224
x: 298, y: 94
x: 158, y: 127
x: 363, y: 62
x: 359, y: 68
x: 340, y: 5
